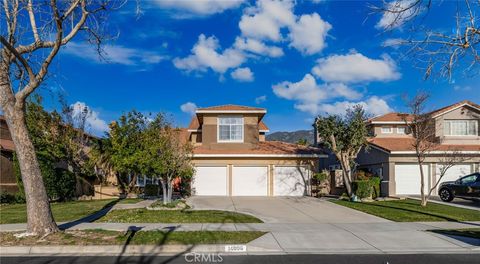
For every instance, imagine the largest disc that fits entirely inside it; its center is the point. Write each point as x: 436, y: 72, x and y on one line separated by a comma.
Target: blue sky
x: 297, y: 59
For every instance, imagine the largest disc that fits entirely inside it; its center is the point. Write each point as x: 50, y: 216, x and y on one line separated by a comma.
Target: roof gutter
x: 259, y: 156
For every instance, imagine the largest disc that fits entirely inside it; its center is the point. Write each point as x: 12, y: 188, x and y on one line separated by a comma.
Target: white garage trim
x: 289, y: 181
x: 407, y: 178
x: 210, y: 180
x: 250, y: 180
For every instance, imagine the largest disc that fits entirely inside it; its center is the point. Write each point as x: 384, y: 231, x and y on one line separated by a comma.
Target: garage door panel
x: 210, y: 181
x: 290, y: 181
x: 250, y: 181
x: 407, y: 178
x: 454, y: 172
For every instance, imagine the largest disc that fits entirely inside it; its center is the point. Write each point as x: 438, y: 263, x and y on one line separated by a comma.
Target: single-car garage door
x: 407, y: 178
x: 454, y: 172
x: 249, y: 181
x: 210, y: 181
x: 290, y: 181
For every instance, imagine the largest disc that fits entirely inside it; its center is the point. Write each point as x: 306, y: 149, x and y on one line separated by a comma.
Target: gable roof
x: 230, y: 108
x: 395, y: 118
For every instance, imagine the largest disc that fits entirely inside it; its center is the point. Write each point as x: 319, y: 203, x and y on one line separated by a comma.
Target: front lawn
x: 130, y: 200
x: 465, y: 232
x: 67, y: 211
x: 409, y: 210
x: 105, y: 237
x: 176, y: 216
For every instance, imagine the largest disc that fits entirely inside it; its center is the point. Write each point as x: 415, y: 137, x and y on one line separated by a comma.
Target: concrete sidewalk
x: 342, y: 238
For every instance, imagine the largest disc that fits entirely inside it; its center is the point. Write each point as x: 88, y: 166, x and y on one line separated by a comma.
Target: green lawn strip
x: 465, y: 232
x: 105, y: 237
x: 409, y: 210
x: 130, y: 201
x: 67, y: 211
x: 176, y: 216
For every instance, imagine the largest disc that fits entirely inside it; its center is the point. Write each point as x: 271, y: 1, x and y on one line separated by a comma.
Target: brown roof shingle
x: 7, y: 144
x: 231, y: 107
x: 262, y: 126
x: 267, y: 147
x: 405, y: 144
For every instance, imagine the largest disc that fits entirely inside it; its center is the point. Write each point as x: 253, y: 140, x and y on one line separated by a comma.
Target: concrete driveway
x: 285, y: 209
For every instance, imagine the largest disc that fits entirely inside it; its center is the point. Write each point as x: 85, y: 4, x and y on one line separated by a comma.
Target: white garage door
x: 249, y: 181
x: 453, y: 173
x: 290, y: 181
x: 210, y: 181
x: 407, y: 178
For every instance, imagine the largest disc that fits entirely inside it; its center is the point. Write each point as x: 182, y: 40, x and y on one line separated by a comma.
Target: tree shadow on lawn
x: 148, y: 257
x: 90, y: 218
x: 446, y: 218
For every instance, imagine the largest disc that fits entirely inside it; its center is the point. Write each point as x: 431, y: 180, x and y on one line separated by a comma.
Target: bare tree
x: 422, y: 128
x: 438, y: 51
x: 32, y: 38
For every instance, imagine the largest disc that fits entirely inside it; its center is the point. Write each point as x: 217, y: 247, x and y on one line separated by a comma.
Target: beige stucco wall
x: 464, y: 113
x: 210, y: 130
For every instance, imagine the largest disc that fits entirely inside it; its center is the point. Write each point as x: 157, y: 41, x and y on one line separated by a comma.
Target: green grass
x: 130, y: 201
x: 410, y: 210
x: 67, y: 211
x: 465, y: 232
x: 176, y: 216
x: 105, y: 237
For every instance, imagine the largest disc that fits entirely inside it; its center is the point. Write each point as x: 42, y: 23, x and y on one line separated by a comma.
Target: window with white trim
x: 401, y: 130
x: 461, y: 127
x: 230, y: 129
x: 387, y: 130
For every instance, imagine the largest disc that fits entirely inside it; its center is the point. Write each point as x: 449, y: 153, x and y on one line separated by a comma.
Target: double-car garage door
x: 407, y: 176
x: 250, y: 181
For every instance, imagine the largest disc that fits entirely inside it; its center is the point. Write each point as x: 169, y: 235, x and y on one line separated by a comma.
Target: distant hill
x: 291, y: 137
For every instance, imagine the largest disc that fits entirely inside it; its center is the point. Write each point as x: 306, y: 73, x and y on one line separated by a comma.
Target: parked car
x: 467, y: 187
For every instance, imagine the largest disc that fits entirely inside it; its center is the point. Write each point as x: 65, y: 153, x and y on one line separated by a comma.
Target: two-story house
x: 392, y: 157
x: 8, y: 182
x: 232, y: 158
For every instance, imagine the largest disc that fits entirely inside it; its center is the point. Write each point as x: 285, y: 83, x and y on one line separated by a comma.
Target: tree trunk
x: 422, y: 185
x: 164, y: 191
x: 39, y: 215
x: 170, y: 191
x: 347, y: 177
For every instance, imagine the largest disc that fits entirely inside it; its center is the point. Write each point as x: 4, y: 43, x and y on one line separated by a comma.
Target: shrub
x: 375, y: 184
x: 11, y: 198
x: 321, y: 176
x: 362, y: 188
x: 151, y: 190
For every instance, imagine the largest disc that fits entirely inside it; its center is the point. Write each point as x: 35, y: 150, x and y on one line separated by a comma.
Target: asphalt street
x: 264, y: 259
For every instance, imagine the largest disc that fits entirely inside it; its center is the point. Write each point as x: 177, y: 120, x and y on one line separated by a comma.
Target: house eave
x: 259, y: 156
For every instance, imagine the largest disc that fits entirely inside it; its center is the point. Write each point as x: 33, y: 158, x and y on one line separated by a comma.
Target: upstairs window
x: 461, y: 127
x: 230, y: 129
x: 387, y: 130
x: 401, y: 130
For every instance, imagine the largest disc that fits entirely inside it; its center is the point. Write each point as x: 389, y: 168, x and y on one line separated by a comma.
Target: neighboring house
x: 392, y: 157
x: 8, y: 182
x: 232, y: 158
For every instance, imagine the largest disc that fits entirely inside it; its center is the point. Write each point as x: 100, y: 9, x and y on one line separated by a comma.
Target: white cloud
x: 189, y: 108
x: 205, y: 55
x: 462, y: 88
x: 260, y: 99
x: 257, y: 47
x: 243, y: 74
x: 308, y: 34
x: 355, y: 67
x: 394, y: 18
x: 373, y: 105
x: 265, y: 20
x: 113, y: 54
x: 199, y: 7
x: 393, y: 43
x: 92, y: 119
x: 314, y: 98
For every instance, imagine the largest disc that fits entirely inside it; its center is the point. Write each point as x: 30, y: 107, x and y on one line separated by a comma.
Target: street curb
x: 134, y: 250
